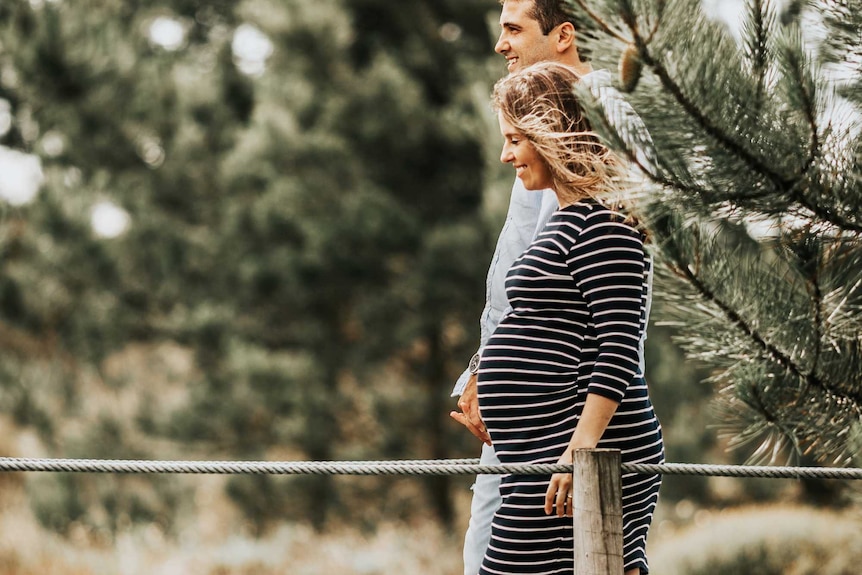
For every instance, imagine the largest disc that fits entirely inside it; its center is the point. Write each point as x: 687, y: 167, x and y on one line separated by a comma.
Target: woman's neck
x: 567, y: 199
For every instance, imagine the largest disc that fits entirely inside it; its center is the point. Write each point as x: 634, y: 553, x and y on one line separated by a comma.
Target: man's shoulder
x: 601, y: 77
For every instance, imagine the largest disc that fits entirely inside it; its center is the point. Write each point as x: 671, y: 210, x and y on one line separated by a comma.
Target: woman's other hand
x: 558, y: 498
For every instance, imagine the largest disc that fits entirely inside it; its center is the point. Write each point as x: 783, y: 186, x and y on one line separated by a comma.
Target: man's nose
x: 502, y: 45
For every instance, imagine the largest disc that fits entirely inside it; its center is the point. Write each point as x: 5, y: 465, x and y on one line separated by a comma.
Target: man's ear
x: 565, y: 37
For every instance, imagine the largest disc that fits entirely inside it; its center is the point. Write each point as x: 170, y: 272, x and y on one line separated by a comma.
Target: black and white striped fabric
x: 579, y: 297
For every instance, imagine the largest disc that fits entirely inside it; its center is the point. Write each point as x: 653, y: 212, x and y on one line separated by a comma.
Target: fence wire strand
x: 404, y: 467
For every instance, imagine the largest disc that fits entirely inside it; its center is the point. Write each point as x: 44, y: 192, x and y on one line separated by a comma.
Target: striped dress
x: 580, y: 301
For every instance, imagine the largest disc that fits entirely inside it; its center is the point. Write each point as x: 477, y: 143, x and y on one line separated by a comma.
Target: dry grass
x: 392, y: 549
x: 763, y: 540
x: 214, y: 543
x: 783, y: 540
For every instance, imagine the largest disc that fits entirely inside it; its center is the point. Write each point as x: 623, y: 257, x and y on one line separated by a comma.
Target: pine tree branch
x: 679, y: 95
x: 657, y: 178
x: 817, y: 302
x: 758, y: 49
x: 791, y: 185
x: 736, y: 319
x: 601, y: 23
x: 825, y: 213
x: 700, y: 118
x: 774, y: 353
x: 796, y: 189
x: 622, y: 147
x: 760, y: 52
x: 774, y: 419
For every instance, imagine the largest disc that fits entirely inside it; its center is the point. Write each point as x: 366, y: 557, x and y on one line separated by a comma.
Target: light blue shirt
x: 529, y: 211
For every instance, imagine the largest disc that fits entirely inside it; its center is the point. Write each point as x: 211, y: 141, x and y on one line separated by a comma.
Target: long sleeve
x: 608, y: 264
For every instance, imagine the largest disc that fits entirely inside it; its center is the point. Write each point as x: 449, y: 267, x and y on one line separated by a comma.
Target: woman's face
x: 520, y: 152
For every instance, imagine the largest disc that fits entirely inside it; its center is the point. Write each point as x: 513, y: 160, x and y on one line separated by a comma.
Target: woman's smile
x: 529, y: 165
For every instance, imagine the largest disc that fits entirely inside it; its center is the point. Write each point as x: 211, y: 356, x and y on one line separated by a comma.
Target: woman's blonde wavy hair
x: 540, y: 103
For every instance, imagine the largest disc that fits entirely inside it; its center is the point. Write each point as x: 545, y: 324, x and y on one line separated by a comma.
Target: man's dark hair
x: 550, y: 14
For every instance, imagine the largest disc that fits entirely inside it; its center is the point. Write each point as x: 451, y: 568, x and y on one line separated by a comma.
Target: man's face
x: 521, y: 40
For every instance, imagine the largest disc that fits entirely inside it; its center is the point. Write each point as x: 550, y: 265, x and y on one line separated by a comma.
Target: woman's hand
x: 594, y: 420
x: 560, y: 489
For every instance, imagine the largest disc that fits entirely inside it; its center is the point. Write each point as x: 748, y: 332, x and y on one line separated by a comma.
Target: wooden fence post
x: 598, y: 512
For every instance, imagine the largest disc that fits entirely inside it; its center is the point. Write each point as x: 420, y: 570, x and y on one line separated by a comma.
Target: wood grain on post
x: 598, y: 512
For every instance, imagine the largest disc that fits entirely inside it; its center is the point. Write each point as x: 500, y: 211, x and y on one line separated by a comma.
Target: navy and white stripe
x: 580, y: 302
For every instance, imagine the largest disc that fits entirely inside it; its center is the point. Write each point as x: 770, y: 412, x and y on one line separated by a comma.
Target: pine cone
x: 630, y: 69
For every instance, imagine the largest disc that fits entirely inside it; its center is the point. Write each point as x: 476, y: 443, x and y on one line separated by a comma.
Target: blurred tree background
x: 297, y: 195
x: 259, y: 229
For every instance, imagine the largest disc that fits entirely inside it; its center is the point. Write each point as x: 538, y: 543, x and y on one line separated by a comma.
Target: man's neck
x: 584, y: 68
x: 571, y: 60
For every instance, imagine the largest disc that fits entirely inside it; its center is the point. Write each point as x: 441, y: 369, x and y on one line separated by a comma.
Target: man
x: 531, y: 31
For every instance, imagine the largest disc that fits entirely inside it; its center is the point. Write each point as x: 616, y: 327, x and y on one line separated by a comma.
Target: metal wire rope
x: 402, y: 467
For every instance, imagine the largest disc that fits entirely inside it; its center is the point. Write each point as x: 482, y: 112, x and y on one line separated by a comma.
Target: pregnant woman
x: 564, y: 368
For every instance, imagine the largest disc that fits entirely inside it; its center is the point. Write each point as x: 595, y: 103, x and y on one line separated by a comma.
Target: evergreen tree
x: 753, y: 189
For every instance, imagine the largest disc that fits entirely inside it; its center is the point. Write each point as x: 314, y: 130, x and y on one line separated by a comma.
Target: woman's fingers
x: 559, y: 496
